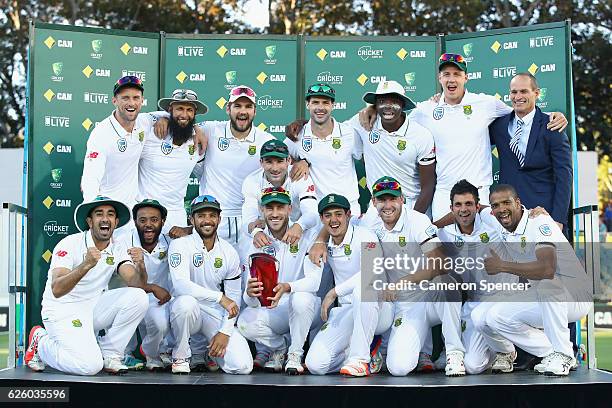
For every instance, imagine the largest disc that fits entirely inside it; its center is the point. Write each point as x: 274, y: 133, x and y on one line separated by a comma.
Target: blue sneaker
x: 132, y: 363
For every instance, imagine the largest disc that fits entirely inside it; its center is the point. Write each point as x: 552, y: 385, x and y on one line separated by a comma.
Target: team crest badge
x: 77, y: 323
x: 307, y: 144
x: 402, y: 241
x: 166, y: 148
x: 545, y: 230
x: 223, y: 143
x: 191, y: 150
x: 523, y: 242
x: 141, y: 136
x: 175, y: 260
x: 198, y: 260
x: 122, y: 144
x: 459, y: 242
x: 484, y: 237
x: 467, y: 110
x: 463, y: 325
x: 438, y: 113
x: 218, y: 263
x: 397, y: 322
x: 374, y: 136
x: 294, y: 248
x: 110, y: 260
x: 269, y: 249
x: 324, y: 326
x: 347, y: 250
x: 336, y: 143
x: 162, y: 254
x: 401, y: 145
x: 252, y: 149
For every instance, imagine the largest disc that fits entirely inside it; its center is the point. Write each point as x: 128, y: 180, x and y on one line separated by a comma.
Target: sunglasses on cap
x: 386, y: 185
x: 185, y: 94
x: 271, y: 190
x: 128, y: 80
x: 204, y: 199
x: 274, y: 148
x: 452, y: 58
x: 321, y: 88
x: 243, y: 90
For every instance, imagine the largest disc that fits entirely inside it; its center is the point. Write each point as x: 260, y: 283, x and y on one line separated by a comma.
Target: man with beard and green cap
x: 76, y: 304
x: 166, y: 164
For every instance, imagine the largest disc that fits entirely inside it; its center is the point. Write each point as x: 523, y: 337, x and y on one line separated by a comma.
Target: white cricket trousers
x: 188, y: 317
x: 520, y: 323
x: 441, y: 202
x: 230, y: 229
x: 412, y: 325
x: 156, y: 327
x: 294, y: 315
x: 71, y: 345
x: 175, y: 218
x: 348, y: 332
x: 478, y: 356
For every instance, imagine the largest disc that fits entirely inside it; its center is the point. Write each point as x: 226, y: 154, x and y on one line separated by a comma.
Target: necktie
x: 514, y: 142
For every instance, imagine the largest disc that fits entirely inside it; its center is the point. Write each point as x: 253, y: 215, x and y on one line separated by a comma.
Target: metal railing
x: 13, y: 227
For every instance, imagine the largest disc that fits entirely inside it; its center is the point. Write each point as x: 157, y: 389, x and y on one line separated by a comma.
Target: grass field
x: 3, y: 350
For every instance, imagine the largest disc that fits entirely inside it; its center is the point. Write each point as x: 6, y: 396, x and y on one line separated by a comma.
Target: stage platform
x: 583, y: 388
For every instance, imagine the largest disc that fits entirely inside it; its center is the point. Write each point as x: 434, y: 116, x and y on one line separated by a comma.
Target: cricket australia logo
x: 223, y: 143
x: 198, y: 260
x: 306, y: 144
x: 166, y: 148
x: 374, y: 136
x: 122, y: 144
x: 174, y: 260
x: 438, y: 113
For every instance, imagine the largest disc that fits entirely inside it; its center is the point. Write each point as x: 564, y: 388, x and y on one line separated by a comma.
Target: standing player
x: 165, y: 164
x: 295, y: 304
x: 558, y: 295
x: 76, y: 304
x: 328, y: 148
x: 414, y: 311
x: 110, y: 167
x: 274, y: 172
x: 205, y: 272
x: 459, y: 124
x: 348, y: 326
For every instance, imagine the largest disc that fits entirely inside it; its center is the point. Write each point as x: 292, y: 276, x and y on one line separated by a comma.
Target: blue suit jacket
x: 546, y: 177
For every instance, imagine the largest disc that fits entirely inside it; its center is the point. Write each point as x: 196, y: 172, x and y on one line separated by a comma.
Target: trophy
x: 264, y: 268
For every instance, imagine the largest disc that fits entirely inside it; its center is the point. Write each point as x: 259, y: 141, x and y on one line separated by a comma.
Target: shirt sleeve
x: 357, y: 144
x: 64, y: 255
x: 308, y: 203
x: 311, y: 280
x: 424, y: 231
x: 232, y: 287
x: 250, y: 205
x: 293, y: 148
x: 94, y: 166
x: 499, y: 109
x: 427, y: 152
x: 181, y: 279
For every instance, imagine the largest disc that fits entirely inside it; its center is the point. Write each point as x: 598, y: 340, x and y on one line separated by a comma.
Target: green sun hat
x: 85, y: 208
x: 386, y: 185
x: 333, y: 200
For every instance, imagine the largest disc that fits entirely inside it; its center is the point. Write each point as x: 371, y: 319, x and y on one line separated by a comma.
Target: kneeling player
x: 295, y: 303
x: 200, y: 264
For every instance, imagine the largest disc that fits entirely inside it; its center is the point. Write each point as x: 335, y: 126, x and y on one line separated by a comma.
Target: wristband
x: 320, y: 242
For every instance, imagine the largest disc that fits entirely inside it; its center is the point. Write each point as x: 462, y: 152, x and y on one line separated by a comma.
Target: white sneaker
x: 180, y: 366
x: 424, y: 365
x: 440, y: 363
x: 32, y: 359
x: 166, y: 359
x: 504, y: 362
x: 276, y: 361
x: 454, y: 364
x: 154, y: 364
x: 541, y: 366
x: 559, y: 364
x: 260, y: 360
x: 114, y: 365
x: 294, y: 364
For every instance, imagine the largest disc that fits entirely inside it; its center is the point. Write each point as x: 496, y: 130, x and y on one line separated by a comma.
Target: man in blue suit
x: 533, y: 159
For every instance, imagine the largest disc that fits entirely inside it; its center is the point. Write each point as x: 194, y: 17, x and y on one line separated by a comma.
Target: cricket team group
x: 265, y: 270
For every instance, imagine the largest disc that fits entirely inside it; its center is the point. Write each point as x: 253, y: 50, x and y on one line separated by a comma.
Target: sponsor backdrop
x: 73, y: 69
x: 213, y: 65
x: 71, y: 80
x: 357, y: 65
x: 494, y: 57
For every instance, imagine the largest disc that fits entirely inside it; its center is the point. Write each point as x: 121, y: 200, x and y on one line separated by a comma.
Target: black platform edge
x: 585, y: 388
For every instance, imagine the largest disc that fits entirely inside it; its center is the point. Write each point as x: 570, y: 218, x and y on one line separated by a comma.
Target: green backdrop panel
x: 73, y: 72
